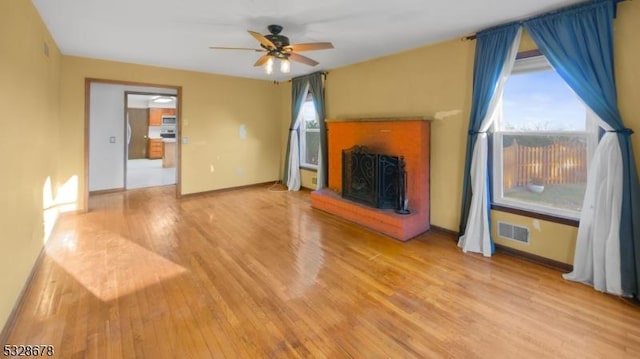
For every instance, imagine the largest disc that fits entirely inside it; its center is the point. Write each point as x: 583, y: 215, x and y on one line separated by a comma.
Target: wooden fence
x: 558, y: 163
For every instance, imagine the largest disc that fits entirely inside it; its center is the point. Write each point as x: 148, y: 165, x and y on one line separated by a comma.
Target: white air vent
x: 513, y: 232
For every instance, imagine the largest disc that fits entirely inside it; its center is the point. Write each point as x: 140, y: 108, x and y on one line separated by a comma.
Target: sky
x: 541, y: 100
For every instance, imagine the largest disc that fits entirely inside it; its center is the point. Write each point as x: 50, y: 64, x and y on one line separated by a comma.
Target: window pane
x: 541, y: 101
x: 309, y: 135
x: 312, y: 145
x: 549, y: 170
x: 542, y: 141
x: 309, y: 115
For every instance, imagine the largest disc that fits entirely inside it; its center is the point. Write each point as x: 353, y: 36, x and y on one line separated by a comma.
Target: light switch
x: 185, y: 139
x: 112, y: 139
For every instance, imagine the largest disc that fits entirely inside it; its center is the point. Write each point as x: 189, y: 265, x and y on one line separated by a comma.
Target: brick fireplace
x: 404, y: 137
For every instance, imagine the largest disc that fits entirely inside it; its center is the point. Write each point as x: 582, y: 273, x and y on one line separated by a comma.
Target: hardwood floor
x: 257, y: 273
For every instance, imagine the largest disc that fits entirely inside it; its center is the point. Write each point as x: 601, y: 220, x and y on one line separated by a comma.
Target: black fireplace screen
x: 370, y: 178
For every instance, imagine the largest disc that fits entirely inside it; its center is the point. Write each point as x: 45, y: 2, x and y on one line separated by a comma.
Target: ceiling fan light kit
x: 278, y: 46
x: 268, y: 66
x: 285, y: 66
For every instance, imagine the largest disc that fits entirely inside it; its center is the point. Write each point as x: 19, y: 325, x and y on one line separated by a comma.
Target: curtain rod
x: 276, y: 82
x: 474, y: 36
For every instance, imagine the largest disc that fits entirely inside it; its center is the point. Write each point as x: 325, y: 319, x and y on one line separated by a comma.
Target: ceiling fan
x: 277, y: 46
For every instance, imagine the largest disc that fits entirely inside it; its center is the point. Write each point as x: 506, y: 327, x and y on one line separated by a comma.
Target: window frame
x: 302, y: 131
x: 533, y: 61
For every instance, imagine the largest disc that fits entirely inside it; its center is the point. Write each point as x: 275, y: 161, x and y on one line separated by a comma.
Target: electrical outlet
x: 112, y: 139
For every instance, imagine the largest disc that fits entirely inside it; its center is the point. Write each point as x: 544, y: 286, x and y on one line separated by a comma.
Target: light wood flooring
x: 257, y: 273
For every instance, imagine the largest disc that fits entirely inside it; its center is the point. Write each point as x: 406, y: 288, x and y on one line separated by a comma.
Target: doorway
x: 151, y: 124
x: 106, y: 141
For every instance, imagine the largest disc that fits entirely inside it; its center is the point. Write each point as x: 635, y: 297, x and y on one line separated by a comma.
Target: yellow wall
x: 546, y: 239
x: 307, y: 179
x: 420, y: 82
x: 28, y: 142
x: 437, y: 78
x: 214, y: 107
x: 627, y: 52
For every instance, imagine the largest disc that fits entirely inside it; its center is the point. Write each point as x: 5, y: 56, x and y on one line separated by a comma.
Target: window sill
x: 308, y: 168
x: 544, y: 217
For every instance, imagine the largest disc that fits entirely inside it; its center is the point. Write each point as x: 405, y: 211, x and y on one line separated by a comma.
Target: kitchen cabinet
x: 155, y: 115
x: 156, y: 147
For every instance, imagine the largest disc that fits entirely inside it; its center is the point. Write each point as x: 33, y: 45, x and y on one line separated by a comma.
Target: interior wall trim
x: 443, y: 230
x: 228, y: 189
x: 13, y: 316
x: 560, y: 266
x: 105, y: 191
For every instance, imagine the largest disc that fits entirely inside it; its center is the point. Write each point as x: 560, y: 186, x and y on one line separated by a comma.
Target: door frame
x: 87, y: 107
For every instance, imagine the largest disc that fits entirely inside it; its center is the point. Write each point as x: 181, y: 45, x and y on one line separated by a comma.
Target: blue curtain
x: 492, y: 47
x: 578, y: 42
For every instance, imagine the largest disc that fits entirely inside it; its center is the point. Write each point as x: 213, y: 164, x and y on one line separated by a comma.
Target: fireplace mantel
x: 408, y: 137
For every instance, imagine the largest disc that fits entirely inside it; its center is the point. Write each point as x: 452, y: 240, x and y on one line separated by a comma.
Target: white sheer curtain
x: 293, y: 177
x: 320, y: 174
x: 597, y: 256
x: 477, y: 237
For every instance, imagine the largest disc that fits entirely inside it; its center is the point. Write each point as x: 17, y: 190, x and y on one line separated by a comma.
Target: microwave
x: 169, y: 120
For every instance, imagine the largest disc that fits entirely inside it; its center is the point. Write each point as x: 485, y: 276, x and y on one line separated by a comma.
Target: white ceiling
x: 177, y: 34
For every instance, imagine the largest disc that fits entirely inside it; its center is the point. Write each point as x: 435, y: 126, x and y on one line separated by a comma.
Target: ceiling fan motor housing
x: 280, y: 41
x: 274, y: 29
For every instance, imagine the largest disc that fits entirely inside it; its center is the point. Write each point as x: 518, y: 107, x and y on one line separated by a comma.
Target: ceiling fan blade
x: 235, y: 48
x: 263, y: 40
x: 309, y: 46
x: 303, y: 59
x: 261, y: 61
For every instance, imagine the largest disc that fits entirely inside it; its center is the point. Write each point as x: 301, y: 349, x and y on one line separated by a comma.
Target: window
x: 309, y: 135
x: 542, y: 143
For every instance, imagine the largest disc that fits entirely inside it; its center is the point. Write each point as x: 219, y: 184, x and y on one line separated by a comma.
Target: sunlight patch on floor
x: 103, y: 261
